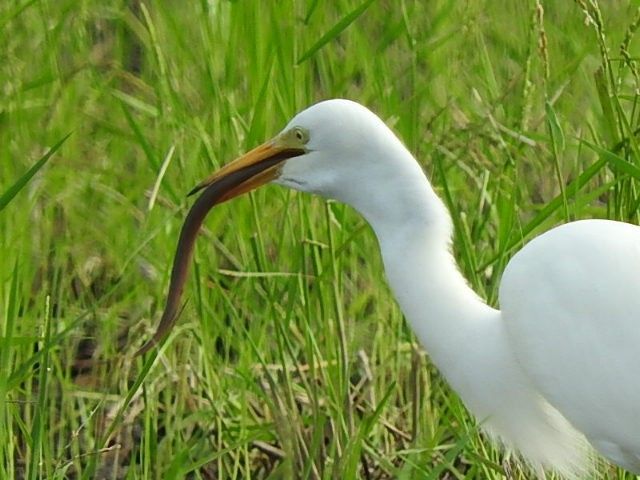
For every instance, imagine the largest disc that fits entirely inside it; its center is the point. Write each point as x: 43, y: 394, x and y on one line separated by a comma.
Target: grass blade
x: 336, y: 30
x: 615, y: 162
x: 24, y: 179
x: 39, y: 422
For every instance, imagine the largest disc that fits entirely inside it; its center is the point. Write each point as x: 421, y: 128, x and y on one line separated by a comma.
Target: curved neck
x: 414, y: 232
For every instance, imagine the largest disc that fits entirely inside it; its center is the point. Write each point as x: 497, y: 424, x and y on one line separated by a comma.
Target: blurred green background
x: 291, y: 359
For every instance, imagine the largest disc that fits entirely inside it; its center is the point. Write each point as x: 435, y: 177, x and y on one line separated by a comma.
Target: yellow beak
x: 255, y: 168
x: 263, y: 162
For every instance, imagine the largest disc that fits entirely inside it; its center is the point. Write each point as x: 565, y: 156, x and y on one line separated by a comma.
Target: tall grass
x: 291, y: 358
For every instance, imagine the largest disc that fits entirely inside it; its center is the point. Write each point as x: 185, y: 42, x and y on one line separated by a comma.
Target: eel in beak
x: 255, y: 168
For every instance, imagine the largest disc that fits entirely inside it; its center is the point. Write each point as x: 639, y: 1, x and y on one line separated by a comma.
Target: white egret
x: 560, y: 362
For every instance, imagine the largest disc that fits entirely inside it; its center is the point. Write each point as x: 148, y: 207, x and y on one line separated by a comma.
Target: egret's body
x: 571, y: 309
x: 559, y: 362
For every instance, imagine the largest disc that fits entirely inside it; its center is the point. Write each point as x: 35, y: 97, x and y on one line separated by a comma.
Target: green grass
x: 291, y: 358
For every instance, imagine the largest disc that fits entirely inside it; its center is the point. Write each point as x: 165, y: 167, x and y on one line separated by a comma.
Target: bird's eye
x: 301, y: 135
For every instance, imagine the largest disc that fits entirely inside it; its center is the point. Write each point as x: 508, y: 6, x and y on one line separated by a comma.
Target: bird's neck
x: 415, y: 233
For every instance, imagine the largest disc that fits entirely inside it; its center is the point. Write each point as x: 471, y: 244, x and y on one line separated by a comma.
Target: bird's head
x: 334, y: 148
